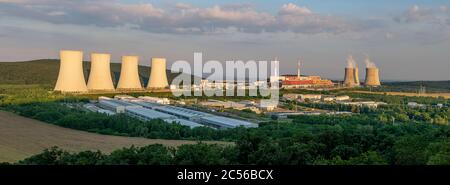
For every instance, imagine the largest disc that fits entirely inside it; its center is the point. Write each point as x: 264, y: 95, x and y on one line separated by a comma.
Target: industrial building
x: 142, y: 109
x: 182, y: 112
x: 184, y: 122
x: 164, y: 101
x: 91, y: 107
x: 115, y: 105
x: 224, y: 122
x: 145, y: 114
x: 299, y: 81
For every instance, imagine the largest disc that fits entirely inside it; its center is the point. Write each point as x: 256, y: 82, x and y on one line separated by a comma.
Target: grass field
x: 435, y: 95
x: 22, y: 137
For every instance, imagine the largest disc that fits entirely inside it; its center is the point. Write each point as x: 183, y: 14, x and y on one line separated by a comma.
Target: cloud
x: 180, y: 18
x: 417, y: 14
x: 292, y: 9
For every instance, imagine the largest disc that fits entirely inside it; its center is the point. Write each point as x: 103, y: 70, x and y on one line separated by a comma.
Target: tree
x: 409, y: 150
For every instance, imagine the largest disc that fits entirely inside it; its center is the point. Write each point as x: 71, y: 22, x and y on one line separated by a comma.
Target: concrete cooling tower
x: 71, y: 77
x: 349, y: 79
x: 372, y: 77
x: 129, y: 75
x: 357, y: 82
x: 100, y: 75
x: 158, y: 76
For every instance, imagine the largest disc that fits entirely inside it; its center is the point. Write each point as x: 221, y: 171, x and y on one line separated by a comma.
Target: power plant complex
x: 351, y: 78
x: 71, y: 76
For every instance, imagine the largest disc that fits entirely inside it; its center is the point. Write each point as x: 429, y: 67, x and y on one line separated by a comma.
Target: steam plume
x: 369, y: 64
x: 351, y: 62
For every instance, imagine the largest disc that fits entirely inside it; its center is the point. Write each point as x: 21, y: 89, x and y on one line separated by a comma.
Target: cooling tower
x: 372, y: 77
x: 71, y: 77
x: 357, y: 82
x: 100, y: 75
x: 129, y: 75
x: 158, y: 76
x: 349, y: 79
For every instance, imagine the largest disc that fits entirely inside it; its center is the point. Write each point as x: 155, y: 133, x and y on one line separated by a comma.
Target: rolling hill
x: 45, y: 72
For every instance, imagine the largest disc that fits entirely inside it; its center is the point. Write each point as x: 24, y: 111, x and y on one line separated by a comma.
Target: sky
x: 406, y: 39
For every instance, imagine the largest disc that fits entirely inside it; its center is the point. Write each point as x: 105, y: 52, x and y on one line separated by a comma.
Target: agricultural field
x: 23, y: 137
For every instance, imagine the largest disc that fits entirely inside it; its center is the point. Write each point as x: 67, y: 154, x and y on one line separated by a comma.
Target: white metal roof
x: 227, y: 122
x: 182, y: 111
x: 184, y: 122
x: 148, y: 113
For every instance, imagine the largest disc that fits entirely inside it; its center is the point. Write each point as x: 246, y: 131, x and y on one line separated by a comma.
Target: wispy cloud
x: 181, y: 18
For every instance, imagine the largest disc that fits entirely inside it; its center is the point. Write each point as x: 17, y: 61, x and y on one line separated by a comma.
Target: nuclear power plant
x: 158, y: 76
x: 71, y: 78
x: 372, y: 74
x: 100, y: 75
x: 351, y: 78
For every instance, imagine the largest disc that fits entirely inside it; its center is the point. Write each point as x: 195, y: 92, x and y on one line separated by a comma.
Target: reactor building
x: 71, y: 76
x: 158, y: 76
x: 100, y: 74
x: 372, y: 74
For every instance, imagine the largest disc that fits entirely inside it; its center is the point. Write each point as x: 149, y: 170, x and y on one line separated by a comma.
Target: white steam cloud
x: 369, y: 64
x: 350, y: 62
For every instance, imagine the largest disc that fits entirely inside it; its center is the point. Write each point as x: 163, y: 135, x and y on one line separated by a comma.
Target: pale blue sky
x: 407, y: 39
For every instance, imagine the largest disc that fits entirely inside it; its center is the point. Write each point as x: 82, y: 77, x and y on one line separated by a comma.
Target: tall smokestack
x: 100, y: 75
x: 299, y: 65
x: 71, y: 77
x: 372, y: 74
x: 129, y: 75
x: 158, y: 76
x: 349, y: 79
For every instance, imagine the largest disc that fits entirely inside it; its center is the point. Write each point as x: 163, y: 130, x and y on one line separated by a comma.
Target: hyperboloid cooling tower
x: 100, y: 75
x: 71, y: 77
x: 158, y: 76
x: 372, y: 77
x: 129, y: 75
x: 357, y: 82
x: 349, y: 79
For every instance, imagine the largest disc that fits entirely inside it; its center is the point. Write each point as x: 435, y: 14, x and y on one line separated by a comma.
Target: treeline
x: 398, y: 100
x: 391, y: 113
x: 289, y: 144
x: 156, y: 154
